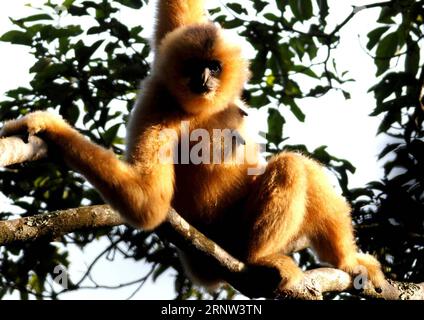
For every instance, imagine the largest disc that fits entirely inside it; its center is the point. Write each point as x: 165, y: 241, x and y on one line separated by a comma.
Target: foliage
x: 89, y: 71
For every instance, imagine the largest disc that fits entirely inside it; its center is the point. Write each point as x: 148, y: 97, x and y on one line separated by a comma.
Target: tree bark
x: 248, y: 279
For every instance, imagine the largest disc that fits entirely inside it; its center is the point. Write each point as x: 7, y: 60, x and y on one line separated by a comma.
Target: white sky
x: 331, y: 120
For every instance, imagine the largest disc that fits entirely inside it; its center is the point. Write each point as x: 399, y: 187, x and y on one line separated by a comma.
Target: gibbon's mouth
x: 201, y: 89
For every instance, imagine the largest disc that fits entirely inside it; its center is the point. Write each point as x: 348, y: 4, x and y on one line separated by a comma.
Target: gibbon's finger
x: 14, y: 127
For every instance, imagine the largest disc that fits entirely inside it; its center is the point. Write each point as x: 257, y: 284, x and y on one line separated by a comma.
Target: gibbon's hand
x: 33, y: 123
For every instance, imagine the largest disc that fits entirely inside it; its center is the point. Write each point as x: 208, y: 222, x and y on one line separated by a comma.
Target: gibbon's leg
x: 329, y: 227
x: 294, y: 199
x: 275, y: 214
x: 143, y: 198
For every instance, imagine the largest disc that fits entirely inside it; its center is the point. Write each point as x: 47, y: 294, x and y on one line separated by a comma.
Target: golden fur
x: 257, y: 218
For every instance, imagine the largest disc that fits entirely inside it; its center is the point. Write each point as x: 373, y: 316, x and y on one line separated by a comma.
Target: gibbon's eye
x: 215, y: 67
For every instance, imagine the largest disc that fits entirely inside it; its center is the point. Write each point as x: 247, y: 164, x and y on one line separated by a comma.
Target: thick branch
x: 249, y: 280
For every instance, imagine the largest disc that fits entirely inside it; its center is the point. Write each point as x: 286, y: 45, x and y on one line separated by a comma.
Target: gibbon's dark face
x: 203, y: 75
x: 201, y: 67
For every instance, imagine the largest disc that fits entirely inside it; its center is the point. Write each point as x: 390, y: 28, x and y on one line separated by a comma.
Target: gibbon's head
x: 201, y: 67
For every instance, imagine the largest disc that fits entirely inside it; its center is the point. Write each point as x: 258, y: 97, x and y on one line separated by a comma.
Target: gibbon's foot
x: 290, y: 274
x: 362, y: 268
x: 33, y: 123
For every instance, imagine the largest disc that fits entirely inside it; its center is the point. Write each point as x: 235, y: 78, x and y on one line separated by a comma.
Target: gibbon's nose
x: 205, y: 76
x: 200, y: 83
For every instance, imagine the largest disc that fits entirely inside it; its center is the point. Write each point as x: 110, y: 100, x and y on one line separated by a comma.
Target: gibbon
x: 197, y: 79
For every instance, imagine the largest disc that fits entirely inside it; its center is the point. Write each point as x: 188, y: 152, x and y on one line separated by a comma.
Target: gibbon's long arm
x: 172, y: 14
x: 143, y: 198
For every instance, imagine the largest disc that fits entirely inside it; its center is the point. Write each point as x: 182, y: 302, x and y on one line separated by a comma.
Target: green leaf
x: 323, y: 10
x: 236, y: 7
x: 275, y: 126
x: 271, y: 17
x: 235, y: 23
x: 134, y: 4
x: 389, y: 119
x: 70, y: 112
x: 386, y: 15
x: 40, y: 65
x: 375, y: 35
x: 259, y: 5
x: 281, y: 5
x: 297, y: 112
x: 214, y: 11
x: 119, y: 30
x: 50, y: 33
x: 302, y: 9
x: 35, y: 17
x: 387, y: 149
x: 77, y: 11
x: 346, y: 95
x: 110, y: 134
x: 291, y: 89
x: 68, y: 3
x: 258, y: 101
x: 385, y: 51
x: 318, y: 91
x: 17, y: 37
x: 412, y: 59
x: 83, y: 53
x: 306, y: 71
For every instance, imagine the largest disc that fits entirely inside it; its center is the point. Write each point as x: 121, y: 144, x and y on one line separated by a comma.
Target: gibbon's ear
x: 172, y: 14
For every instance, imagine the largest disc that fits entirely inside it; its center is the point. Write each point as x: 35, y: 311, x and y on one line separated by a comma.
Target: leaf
x: 77, y: 11
x: 71, y: 113
x: 297, y: 112
x: 275, y: 126
x: 387, y: 149
x: 119, y: 30
x: 35, y: 17
x: 323, y: 9
x: 235, y: 23
x: 258, y: 101
x: 40, y: 65
x: 68, y: 3
x: 412, y: 59
x: 385, y: 51
x: 389, y: 119
x: 281, y: 5
x: 159, y: 270
x: 346, y: 95
x: 110, y: 134
x: 302, y: 9
x: 134, y: 4
x: 214, y: 11
x: 83, y: 53
x: 375, y: 35
x: 271, y: 17
x: 318, y: 91
x: 291, y: 89
x: 17, y: 37
x: 50, y: 33
x: 386, y: 15
x: 236, y: 7
x: 259, y: 5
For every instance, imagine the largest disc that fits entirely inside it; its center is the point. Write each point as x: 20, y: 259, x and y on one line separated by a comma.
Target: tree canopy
x: 88, y: 67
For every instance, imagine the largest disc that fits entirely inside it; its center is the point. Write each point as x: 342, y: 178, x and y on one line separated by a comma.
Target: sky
x: 342, y: 125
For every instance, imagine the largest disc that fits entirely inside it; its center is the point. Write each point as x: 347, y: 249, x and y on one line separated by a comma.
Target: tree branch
x: 15, y: 150
x: 250, y: 280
